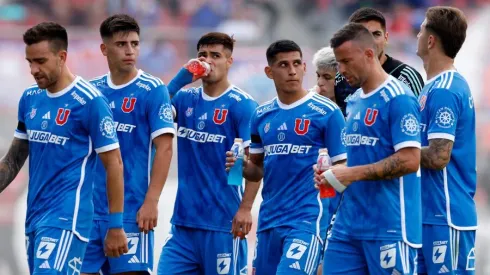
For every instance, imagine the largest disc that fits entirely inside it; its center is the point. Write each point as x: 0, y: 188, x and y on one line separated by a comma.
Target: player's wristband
x: 182, y: 78
x: 116, y: 220
x: 333, y: 181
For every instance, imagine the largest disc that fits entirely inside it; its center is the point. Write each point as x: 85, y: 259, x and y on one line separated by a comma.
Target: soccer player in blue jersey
x: 449, y: 148
x: 207, y: 209
x: 143, y: 120
x: 377, y: 229
x: 287, y: 133
x: 64, y: 122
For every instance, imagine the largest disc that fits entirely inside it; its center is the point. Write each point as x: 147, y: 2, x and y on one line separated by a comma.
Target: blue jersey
x: 290, y: 136
x: 378, y: 125
x: 142, y: 112
x: 448, y: 113
x: 63, y: 130
x: 207, y: 127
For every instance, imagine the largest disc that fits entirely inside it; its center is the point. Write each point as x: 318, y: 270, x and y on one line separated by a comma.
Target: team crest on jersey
x: 107, y: 127
x: 33, y: 113
x: 370, y: 117
x: 219, y: 116
x: 301, y: 126
x: 62, y: 116
x: 410, y: 125
x: 189, y: 111
x: 445, y: 117
x: 165, y: 113
x: 128, y: 104
x: 422, y: 101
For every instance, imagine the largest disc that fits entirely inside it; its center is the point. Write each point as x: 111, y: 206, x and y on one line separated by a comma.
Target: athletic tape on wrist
x: 333, y: 181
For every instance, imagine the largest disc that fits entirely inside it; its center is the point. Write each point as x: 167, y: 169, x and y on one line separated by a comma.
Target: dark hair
x: 368, y: 14
x: 449, y: 25
x: 52, y: 32
x: 118, y: 23
x: 281, y: 46
x: 352, y: 32
x: 216, y: 38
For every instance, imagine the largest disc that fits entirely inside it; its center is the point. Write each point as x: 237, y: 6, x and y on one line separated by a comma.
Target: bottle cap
x: 238, y: 140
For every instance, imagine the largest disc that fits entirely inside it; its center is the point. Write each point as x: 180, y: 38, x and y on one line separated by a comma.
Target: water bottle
x: 235, y: 176
x: 198, y: 68
x: 323, y: 163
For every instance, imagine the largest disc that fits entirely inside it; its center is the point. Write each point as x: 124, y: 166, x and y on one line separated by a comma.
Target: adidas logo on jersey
x: 47, y: 115
x: 204, y: 117
x: 112, y: 105
x: 134, y: 260
x: 283, y: 127
x: 295, y: 265
x: 443, y: 269
x: 358, y: 116
x: 45, y: 265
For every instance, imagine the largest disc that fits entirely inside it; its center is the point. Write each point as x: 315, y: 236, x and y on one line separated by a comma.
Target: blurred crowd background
x: 170, y: 30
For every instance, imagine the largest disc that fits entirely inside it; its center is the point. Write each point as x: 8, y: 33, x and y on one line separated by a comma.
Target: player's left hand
x: 340, y: 171
x: 242, y: 223
x: 147, y: 216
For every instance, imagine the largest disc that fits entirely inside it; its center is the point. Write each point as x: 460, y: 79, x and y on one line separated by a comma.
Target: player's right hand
x: 116, y: 243
x: 194, y: 77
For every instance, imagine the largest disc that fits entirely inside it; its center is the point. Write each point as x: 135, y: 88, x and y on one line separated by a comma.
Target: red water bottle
x: 198, y: 68
x: 323, y: 163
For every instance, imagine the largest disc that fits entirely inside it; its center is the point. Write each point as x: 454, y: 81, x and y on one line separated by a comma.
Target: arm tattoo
x: 388, y: 168
x: 11, y: 163
x: 437, y: 154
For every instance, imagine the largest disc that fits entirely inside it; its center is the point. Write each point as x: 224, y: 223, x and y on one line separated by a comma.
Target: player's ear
x: 103, y: 49
x: 304, y: 67
x: 229, y: 61
x: 62, y: 55
x: 268, y: 71
x: 370, y: 53
x: 431, y: 41
x: 387, y: 35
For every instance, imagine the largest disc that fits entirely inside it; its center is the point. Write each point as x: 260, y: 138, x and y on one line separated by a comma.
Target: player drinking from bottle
x: 207, y: 209
x: 287, y: 133
x: 64, y: 122
x: 374, y: 232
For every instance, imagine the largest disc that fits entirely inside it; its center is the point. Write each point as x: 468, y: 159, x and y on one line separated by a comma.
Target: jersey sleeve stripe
x: 324, y: 104
x: 407, y: 144
x: 107, y: 148
x: 442, y: 81
x: 242, y: 92
x: 339, y: 157
x: 82, y: 85
x: 256, y: 150
x: 20, y: 135
x: 450, y: 81
x: 400, y: 87
x: 153, y: 82
x: 414, y: 78
x: 83, y: 90
x: 91, y: 87
x: 159, y: 132
x: 329, y: 103
x: 98, y: 77
x: 440, y: 136
x: 158, y: 80
x: 395, y: 88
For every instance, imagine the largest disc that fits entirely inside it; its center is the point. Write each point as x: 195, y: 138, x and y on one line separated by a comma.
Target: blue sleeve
x: 443, y: 111
x: 20, y: 131
x: 100, y: 125
x: 182, y: 78
x: 404, y: 120
x: 333, y: 136
x: 256, y: 146
x: 243, y: 116
x: 159, y: 112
